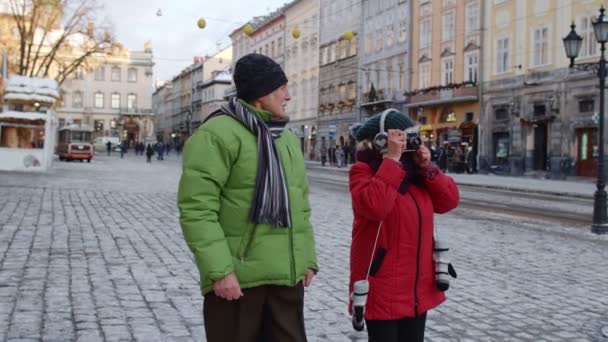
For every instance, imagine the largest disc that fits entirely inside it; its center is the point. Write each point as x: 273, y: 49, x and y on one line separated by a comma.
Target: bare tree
x: 56, y: 37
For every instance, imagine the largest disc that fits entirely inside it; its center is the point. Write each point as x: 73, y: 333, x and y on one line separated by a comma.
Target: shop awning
x: 32, y: 116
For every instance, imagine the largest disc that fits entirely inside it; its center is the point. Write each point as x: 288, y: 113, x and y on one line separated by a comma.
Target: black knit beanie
x: 393, y: 120
x: 257, y: 75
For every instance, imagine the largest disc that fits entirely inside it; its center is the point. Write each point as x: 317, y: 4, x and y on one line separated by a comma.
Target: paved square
x: 94, y: 252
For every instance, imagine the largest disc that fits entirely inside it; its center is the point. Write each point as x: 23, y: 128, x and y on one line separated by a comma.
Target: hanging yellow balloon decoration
x: 201, y: 23
x: 248, y: 29
x: 296, y: 33
x: 348, y: 35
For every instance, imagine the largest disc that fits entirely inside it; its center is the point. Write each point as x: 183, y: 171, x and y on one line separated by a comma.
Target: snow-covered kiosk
x: 28, y: 124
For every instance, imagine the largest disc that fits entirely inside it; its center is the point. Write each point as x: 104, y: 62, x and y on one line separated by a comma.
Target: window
x: 79, y: 74
x: 541, y: 46
x: 279, y: 45
x: 352, y: 90
x: 389, y: 35
x: 115, y: 103
x: 353, y: 46
x: 447, y: 71
x: 378, y: 40
x: 540, y: 110
x: 586, y: 105
x: 61, y: 123
x: 402, y: 85
x: 322, y: 55
x: 98, y: 100
x: 343, y: 49
x: 501, y: 114
x: 425, y: 33
x: 502, y: 55
x: 422, y: 120
x: 368, y: 43
x: 131, y: 102
x: 448, y: 116
x: 585, y: 30
x: 448, y: 27
x: 469, y: 116
x: 77, y: 99
x: 470, y: 71
x: 472, y: 15
x: 425, y: 75
x: 115, y: 74
x: 342, y: 92
x: 100, y: 74
x: 132, y: 75
x: 99, y: 126
x: 331, y: 53
x: 402, y: 31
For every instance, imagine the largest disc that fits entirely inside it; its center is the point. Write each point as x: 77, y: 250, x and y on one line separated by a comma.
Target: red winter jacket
x: 404, y: 285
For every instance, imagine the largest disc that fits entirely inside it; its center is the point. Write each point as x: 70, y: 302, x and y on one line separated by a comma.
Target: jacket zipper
x: 292, y: 264
x: 417, y: 255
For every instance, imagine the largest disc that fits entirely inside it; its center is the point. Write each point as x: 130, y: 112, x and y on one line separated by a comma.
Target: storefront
x: 28, y: 124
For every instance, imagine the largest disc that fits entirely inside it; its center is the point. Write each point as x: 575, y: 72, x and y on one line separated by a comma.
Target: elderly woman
x: 395, y: 192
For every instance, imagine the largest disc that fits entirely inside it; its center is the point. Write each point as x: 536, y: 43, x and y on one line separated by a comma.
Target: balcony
x: 443, y: 96
x: 135, y: 111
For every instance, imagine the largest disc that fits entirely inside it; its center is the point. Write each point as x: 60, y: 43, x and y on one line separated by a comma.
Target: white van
x: 100, y: 143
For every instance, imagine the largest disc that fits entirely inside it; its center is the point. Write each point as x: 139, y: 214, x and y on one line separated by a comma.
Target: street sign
x: 332, y: 130
x: 596, y: 118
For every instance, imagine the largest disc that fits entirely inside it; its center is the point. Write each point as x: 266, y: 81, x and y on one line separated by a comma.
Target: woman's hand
x: 422, y: 156
x: 396, y: 144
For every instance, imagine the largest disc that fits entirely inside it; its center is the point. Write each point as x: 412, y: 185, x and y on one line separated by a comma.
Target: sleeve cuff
x: 429, y: 172
x: 391, y: 172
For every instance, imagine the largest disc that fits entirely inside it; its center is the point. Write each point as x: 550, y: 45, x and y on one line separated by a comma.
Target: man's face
x: 276, y: 101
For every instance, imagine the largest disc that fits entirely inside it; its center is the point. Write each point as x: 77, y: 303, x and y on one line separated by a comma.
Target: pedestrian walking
x: 249, y: 227
x: 123, y: 149
x: 339, y: 155
x: 323, y: 155
x: 109, y: 147
x: 149, y: 153
x: 394, y: 196
x: 160, y: 149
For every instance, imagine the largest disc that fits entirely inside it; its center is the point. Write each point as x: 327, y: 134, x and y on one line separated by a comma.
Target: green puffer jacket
x: 215, y: 196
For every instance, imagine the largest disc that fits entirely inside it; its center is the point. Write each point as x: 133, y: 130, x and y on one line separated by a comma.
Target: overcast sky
x: 174, y: 35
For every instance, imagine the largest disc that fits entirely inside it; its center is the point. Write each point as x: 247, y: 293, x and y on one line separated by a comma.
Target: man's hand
x: 422, y: 158
x: 308, y: 277
x: 228, y: 287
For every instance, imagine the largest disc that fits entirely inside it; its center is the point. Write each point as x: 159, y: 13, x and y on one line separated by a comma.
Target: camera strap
x: 371, y: 259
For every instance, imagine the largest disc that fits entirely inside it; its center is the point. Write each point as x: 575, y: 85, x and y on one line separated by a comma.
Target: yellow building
x: 444, y: 95
x: 537, y: 112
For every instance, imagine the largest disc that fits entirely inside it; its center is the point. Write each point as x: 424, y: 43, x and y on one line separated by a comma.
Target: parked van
x: 100, y: 143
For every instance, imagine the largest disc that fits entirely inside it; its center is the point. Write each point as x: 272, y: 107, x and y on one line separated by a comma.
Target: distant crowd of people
x: 160, y: 149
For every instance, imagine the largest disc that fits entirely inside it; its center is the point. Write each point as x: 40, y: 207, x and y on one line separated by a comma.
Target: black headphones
x: 380, y: 141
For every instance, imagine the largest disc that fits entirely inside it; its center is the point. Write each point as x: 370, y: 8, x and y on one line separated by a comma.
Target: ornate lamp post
x: 572, y: 45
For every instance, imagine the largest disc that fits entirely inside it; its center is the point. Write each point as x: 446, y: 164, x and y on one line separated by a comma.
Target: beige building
x: 537, y: 112
x: 302, y: 69
x: 444, y: 95
x: 114, y: 98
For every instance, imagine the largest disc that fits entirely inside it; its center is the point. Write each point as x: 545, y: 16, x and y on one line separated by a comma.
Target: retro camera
x: 412, y: 139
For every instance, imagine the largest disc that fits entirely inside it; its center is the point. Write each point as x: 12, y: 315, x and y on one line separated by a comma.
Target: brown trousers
x: 264, y: 314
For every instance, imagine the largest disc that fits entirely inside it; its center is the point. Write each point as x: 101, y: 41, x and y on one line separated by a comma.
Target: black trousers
x: 264, y: 314
x: 402, y: 330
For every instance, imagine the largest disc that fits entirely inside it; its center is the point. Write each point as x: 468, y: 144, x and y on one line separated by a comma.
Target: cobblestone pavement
x: 94, y: 252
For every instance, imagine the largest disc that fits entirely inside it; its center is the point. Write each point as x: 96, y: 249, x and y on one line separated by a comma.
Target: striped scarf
x: 271, y: 197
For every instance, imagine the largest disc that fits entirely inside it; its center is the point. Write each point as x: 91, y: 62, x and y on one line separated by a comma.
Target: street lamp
x: 572, y: 44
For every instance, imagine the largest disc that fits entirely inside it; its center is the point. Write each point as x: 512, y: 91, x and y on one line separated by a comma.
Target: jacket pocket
x: 377, y: 262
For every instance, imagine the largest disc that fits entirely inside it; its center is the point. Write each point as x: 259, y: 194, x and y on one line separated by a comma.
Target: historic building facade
x: 444, y: 95
x: 384, y: 55
x: 115, y: 98
x: 340, y: 23
x: 302, y: 69
x: 537, y: 112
